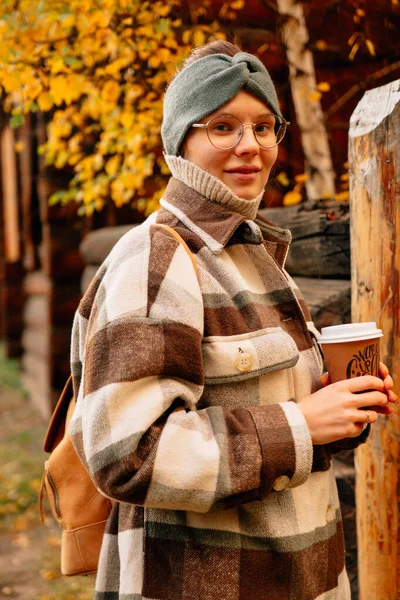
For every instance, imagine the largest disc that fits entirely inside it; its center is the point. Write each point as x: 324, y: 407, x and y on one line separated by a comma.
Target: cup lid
x: 349, y: 332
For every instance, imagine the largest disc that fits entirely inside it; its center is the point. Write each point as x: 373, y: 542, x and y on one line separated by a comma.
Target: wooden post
x: 10, y: 206
x: 310, y: 118
x: 375, y: 258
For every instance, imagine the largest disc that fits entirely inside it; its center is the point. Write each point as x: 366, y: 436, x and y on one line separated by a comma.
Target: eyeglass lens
x: 225, y: 131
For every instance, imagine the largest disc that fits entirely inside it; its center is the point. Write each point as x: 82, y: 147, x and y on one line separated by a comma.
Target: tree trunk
x: 310, y: 119
x: 375, y: 255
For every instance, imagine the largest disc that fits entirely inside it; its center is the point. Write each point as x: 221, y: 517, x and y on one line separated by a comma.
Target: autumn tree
x: 98, y: 69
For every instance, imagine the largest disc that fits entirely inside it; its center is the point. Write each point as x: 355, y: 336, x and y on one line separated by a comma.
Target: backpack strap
x: 56, y: 428
x: 181, y: 241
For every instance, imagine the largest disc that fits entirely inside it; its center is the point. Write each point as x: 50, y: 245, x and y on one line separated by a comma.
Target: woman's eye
x: 222, y: 127
x: 263, y: 128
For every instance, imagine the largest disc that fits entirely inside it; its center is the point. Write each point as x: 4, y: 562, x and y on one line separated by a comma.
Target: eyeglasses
x: 225, y: 131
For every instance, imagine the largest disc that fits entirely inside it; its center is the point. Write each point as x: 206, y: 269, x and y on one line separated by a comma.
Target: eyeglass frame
x: 253, y: 125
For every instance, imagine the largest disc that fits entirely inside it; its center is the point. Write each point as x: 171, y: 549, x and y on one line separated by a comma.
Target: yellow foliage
x: 292, y: 198
x: 301, y: 178
x: 321, y: 45
x: 324, y: 86
x: 283, y: 179
x: 342, y: 196
x: 314, y: 96
x: 100, y: 69
x: 371, y: 47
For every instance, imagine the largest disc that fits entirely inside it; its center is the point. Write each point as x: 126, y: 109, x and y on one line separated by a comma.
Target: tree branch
x: 359, y: 86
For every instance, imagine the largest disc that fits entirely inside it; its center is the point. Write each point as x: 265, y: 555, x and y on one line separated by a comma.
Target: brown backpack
x: 76, y: 503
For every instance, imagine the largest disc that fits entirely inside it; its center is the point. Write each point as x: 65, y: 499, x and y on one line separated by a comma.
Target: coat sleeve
x: 138, y: 376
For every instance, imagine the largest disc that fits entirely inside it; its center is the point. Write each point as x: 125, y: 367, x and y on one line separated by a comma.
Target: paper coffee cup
x: 351, y: 350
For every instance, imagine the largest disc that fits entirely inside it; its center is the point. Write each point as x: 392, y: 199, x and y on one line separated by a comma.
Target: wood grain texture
x: 375, y: 254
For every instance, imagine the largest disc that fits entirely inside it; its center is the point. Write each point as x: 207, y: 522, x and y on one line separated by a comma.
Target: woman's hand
x: 383, y: 374
x: 338, y: 410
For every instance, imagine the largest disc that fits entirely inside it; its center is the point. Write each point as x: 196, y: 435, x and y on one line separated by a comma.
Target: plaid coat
x: 186, y: 415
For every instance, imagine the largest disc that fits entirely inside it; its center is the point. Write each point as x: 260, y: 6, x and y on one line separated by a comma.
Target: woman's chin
x: 246, y: 192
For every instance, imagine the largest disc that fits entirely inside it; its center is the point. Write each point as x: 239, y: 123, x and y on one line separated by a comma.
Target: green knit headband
x: 205, y: 85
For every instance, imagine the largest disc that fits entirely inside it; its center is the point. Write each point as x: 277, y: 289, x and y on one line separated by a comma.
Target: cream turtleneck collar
x: 211, y: 187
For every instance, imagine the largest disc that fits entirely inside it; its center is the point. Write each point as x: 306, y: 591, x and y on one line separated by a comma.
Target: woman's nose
x: 248, y: 142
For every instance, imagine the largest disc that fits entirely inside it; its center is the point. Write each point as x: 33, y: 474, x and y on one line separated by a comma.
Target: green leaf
x: 163, y: 26
x: 17, y: 121
x: 57, y: 197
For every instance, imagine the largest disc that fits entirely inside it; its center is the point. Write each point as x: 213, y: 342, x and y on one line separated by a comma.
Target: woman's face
x: 246, y: 167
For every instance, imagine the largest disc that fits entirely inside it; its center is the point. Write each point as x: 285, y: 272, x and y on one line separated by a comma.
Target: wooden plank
x: 10, y: 196
x: 320, y: 240
x: 37, y: 282
x: 328, y: 300
x: 375, y: 253
x: 37, y: 311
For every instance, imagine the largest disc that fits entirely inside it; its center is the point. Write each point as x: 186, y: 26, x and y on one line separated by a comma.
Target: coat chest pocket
x: 230, y: 359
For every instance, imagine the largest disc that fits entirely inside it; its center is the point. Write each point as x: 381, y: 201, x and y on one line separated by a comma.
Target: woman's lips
x: 243, y: 174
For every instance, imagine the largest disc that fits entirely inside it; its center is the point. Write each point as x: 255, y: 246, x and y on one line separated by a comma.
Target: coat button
x: 281, y: 483
x: 244, y: 362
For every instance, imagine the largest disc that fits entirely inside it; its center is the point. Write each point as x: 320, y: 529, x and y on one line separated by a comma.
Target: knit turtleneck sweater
x: 211, y: 187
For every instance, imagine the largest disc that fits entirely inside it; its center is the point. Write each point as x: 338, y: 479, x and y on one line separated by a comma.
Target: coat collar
x: 215, y: 224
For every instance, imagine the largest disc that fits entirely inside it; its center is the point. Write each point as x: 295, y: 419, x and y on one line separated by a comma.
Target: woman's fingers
x: 366, y: 416
x: 392, y: 397
x: 364, y: 383
x: 372, y: 398
x: 383, y: 370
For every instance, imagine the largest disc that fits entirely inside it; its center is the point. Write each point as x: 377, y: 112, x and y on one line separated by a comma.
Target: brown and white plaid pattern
x: 221, y: 495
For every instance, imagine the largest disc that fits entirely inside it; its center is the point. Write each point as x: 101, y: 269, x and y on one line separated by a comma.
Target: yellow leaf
x: 45, y: 101
x: 49, y: 575
x: 154, y: 61
x: 344, y: 177
x: 19, y: 146
x: 301, y: 178
x: 141, y: 204
x: 112, y: 165
x: 354, y: 50
x: 111, y: 91
x: 127, y: 119
x: 10, y: 82
x: 58, y: 66
x: 360, y: 12
x: 283, y: 179
x: 292, y: 198
x: 186, y: 36
x: 324, y: 86
x: 199, y: 37
x: 237, y: 5
x: 321, y: 45
x: 342, y: 196
x: 314, y: 96
x: 353, y: 38
x: 371, y: 47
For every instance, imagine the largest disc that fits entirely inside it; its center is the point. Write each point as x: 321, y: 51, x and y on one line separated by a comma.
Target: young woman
x: 200, y: 408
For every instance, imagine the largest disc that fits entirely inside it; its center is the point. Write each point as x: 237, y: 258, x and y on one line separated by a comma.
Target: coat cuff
x: 286, y: 446
x: 302, y: 443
